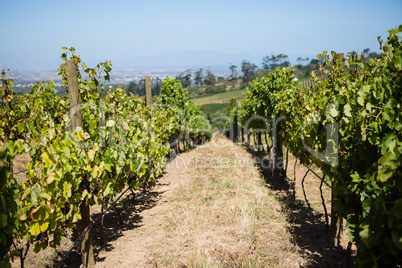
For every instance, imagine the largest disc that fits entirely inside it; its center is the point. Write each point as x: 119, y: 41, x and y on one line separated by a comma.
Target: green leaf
x: 67, y: 189
x: 5, y: 263
x: 388, y: 164
x: 23, y: 216
x: 35, y: 194
x: 20, y: 127
x: 397, y: 239
x: 107, y: 190
x: 334, y: 112
x: 3, y: 220
x: 91, y: 155
x: 40, y: 245
x: 46, y: 196
x: 2, y: 151
x: 43, y: 227
x: 94, y: 172
x: 347, y: 109
x: 108, y: 167
x: 384, y: 175
x: 365, y: 235
x: 388, y: 143
x: 368, y: 107
x: 50, y: 178
x: 67, y: 152
x: 360, y: 100
x: 76, y: 217
x: 45, y: 156
x: 398, y: 60
x: 110, y: 123
x: 35, y: 229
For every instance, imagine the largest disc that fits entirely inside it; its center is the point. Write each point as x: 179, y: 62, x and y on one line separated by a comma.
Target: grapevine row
x: 349, y: 124
x: 74, y: 168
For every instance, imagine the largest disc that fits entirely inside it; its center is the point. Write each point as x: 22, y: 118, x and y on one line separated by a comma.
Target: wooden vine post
x: 5, y: 93
x: 335, y: 228
x: 277, y: 152
x: 5, y: 104
x: 86, y: 247
x: 148, y: 91
x: 148, y: 99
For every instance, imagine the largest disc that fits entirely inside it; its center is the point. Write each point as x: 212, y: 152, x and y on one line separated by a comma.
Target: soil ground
x: 215, y: 207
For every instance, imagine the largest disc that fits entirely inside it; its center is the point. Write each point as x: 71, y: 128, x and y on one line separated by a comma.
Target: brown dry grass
x: 306, y: 218
x: 225, y: 216
x: 211, y: 208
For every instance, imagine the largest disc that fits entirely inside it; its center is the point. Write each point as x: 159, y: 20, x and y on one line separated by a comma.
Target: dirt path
x: 213, y: 207
x: 134, y: 247
x: 210, y: 209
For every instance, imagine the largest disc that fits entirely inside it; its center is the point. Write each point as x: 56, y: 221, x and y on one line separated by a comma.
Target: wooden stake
x: 76, y: 121
x: 148, y: 90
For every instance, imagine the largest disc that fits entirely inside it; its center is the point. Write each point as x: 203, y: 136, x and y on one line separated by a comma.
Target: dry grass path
x: 211, y: 208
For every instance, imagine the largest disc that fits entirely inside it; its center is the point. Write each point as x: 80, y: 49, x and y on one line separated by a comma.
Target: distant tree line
x: 138, y: 88
x: 199, y: 79
x: 203, y: 82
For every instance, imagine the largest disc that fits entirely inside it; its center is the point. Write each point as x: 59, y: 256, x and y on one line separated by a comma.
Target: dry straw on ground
x: 219, y: 214
x: 211, y: 208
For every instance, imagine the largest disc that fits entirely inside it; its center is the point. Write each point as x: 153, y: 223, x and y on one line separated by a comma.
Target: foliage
x: 138, y: 88
x: 185, y: 78
x: 360, y: 103
x: 233, y: 72
x: 215, y: 89
x: 248, y: 70
x: 198, y: 77
x: 8, y: 194
x: 273, y: 61
x: 209, y: 79
x: 120, y: 137
x: 191, y: 119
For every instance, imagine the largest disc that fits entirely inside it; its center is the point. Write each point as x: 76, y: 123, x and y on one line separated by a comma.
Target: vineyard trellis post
x: 336, y: 224
x: 5, y: 101
x: 148, y: 91
x: 86, y: 247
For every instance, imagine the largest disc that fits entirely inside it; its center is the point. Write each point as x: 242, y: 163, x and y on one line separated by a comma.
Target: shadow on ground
x: 306, y: 226
x: 124, y: 216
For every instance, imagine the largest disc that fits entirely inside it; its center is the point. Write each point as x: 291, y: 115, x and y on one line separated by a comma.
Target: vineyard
x: 91, y: 146
x: 349, y: 125
x: 82, y: 153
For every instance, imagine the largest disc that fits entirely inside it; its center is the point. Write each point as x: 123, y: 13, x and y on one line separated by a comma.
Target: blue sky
x: 184, y: 34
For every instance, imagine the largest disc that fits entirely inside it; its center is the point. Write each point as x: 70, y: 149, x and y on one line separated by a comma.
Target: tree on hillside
x: 248, y: 70
x: 185, y: 78
x: 198, y: 77
x: 284, y: 60
x: 233, y: 72
x: 271, y: 62
x: 210, y: 79
x: 138, y: 88
x: 366, y: 52
x: 306, y: 60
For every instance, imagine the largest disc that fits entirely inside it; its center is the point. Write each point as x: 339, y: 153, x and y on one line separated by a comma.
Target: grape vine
x: 349, y: 124
x: 120, y: 137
